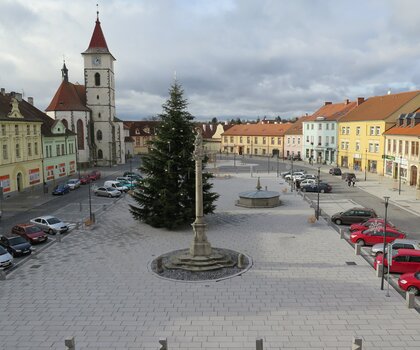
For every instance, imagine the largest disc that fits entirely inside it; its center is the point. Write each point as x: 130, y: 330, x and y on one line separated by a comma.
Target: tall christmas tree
x: 166, y: 196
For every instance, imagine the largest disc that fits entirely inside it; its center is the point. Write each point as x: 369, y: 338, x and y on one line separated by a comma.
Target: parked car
x: 107, y: 192
x: 6, y: 260
x: 126, y: 182
x: 73, y: 183
x: 403, y: 261
x: 347, y: 176
x: 32, y: 233
x: 117, y: 185
x: 370, y: 223
x: 410, y: 282
x: 353, y: 215
x: 307, y: 182
x: 94, y: 175
x: 335, y: 171
x: 294, y: 157
x: 373, y: 236
x: 61, y: 189
x: 295, y: 173
x: 50, y: 224
x: 16, y: 245
x: 323, y: 187
x: 132, y: 173
x: 84, y: 179
x: 397, y: 244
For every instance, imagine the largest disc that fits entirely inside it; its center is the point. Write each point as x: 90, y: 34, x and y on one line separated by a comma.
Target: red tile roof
x: 297, y: 127
x: 69, y: 97
x: 404, y: 130
x: 259, y: 129
x: 333, y: 111
x: 97, y: 42
x: 379, y: 107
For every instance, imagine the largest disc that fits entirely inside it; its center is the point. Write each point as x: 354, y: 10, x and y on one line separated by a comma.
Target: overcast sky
x: 234, y: 58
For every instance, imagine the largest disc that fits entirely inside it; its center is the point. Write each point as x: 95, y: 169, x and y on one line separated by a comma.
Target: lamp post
x: 386, y: 199
x: 277, y: 165
x: 317, y: 201
x: 268, y: 163
x: 90, y: 205
x: 399, y: 176
x: 365, y: 163
x: 291, y: 174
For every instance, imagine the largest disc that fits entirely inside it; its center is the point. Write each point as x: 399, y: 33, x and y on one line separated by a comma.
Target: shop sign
x: 5, y: 183
x: 34, y: 176
x: 62, y: 169
x: 50, y: 172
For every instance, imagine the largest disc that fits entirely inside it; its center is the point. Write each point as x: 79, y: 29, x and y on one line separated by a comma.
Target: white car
x: 6, y: 260
x: 73, y: 183
x: 289, y: 176
x: 50, y: 224
x: 107, y: 192
x: 308, y: 182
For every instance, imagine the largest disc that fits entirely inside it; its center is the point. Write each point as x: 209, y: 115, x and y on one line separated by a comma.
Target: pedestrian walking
x: 349, y: 182
x: 353, y: 181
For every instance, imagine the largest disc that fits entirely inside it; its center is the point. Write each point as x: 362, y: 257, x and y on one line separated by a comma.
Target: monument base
x: 185, y: 261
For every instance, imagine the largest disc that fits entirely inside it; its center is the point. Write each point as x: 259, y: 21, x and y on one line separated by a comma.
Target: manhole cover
x: 35, y: 266
x: 350, y: 263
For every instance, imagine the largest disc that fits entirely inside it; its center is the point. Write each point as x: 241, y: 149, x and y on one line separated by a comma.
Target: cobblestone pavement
x: 300, y: 294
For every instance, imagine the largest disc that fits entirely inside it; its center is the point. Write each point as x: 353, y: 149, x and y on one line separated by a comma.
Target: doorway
x: 19, y: 182
x: 413, y: 176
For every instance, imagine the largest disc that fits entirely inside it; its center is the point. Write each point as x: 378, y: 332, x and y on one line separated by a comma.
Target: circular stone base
x: 171, y: 269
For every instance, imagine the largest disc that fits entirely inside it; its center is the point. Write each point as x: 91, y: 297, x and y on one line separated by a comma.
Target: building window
x: 231, y: 139
x: 34, y: 127
x: 226, y: 139
x: 80, y: 135
x: 378, y: 130
x: 293, y: 140
x: 347, y: 145
x: 240, y: 139
x: 372, y: 130
x: 332, y: 139
x: 3, y: 130
x: 406, y: 148
x: 263, y: 151
x: 16, y: 129
x: 342, y: 145
x: 357, y: 146
x: 288, y: 140
x: 272, y: 140
x: 97, y: 79
x: 17, y: 150
x: 319, y: 140
x: 100, y: 154
x: 332, y: 126
x: 307, y: 138
x: 357, y: 130
x: 248, y: 139
x: 255, y: 151
x: 264, y: 140
x: 279, y: 140
x: 99, y: 115
x: 327, y: 140
x: 97, y: 97
x: 319, y: 126
x: 414, y: 148
x: 63, y: 151
x: 327, y: 126
x: 99, y: 135
x: 348, y: 130
x: 394, y: 146
x: 71, y: 149
x: 256, y: 140
x: 298, y: 140
x: 57, y: 150
x: 370, y: 147
x: 376, y: 147
x: 28, y: 129
x: 388, y: 146
x: 312, y: 126
x: 5, y: 155
x: 343, y: 130
x: 50, y: 148
x: 29, y: 149
x: 400, y: 145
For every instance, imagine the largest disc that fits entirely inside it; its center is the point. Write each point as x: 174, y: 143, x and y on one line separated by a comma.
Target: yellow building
x: 260, y: 139
x: 361, y: 139
x: 21, y: 144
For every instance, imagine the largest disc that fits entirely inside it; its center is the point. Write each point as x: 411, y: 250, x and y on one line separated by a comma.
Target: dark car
x: 353, y: 215
x: 16, y: 245
x: 335, y: 171
x: 323, y: 188
x: 61, y: 189
x: 348, y: 176
x: 32, y: 233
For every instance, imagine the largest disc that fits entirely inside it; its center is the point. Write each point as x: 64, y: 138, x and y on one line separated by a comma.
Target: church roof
x: 69, y: 97
x: 97, y: 42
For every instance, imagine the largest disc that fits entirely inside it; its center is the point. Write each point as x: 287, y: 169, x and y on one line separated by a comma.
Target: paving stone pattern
x: 300, y: 294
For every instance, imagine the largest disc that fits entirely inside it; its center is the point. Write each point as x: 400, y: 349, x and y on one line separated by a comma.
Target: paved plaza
x: 299, y: 294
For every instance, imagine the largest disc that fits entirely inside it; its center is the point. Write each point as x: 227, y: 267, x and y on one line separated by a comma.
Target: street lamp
x: 90, y: 206
x: 365, y: 164
x: 317, y: 201
x: 386, y: 199
x: 399, y: 175
x: 291, y: 175
x: 277, y: 165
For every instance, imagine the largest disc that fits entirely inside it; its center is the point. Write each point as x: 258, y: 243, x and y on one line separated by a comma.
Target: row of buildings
x: 380, y: 134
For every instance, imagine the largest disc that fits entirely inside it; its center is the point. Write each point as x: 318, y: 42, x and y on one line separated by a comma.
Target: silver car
x: 73, y: 183
x: 107, y: 192
x: 6, y: 260
x: 50, y: 224
x: 397, y: 244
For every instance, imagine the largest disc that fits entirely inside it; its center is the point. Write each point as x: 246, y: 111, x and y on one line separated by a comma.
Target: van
x: 403, y: 261
x: 116, y: 185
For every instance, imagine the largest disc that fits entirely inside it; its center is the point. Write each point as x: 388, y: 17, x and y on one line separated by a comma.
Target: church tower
x: 106, y: 129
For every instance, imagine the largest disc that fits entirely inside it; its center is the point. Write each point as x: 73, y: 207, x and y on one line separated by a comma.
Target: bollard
x: 69, y: 343
x: 2, y: 275
x: 379, y: 268
x: 341, y: 233
x: 357, y: 249
x: 410, y: 299
x: 241, y: 261
x: 356, y: 344
x: 164, y: 343
x: 159, y: 265
x: 259, y: 344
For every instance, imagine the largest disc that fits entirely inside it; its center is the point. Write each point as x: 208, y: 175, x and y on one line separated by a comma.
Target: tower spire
x: 97, y: 13
x: 65, y: 72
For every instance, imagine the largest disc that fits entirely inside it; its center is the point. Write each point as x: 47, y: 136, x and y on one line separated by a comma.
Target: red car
x: 95, y: 175
x: 375, y: 235
x: 32, y: 233
x: 403, y: 261
x: 85, y: 179
x: 370, y: 223
x: 410, y: 282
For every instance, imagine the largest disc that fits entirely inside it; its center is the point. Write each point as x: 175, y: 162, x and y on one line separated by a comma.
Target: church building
x: 89, y: 109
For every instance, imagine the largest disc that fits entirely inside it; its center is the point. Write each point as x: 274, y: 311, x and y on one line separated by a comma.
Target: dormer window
x: 137, y: 132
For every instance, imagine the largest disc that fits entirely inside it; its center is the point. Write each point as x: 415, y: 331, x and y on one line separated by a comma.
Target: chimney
x: 18, y: 96
x: 204, y: 127
x: 347, y: 101
x: 3, y: 91
x: 31, y: 100
x: 327, y: 103
x: 360, y: 100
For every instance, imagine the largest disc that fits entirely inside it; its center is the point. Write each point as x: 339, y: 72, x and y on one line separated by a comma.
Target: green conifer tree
x: 166, y: 196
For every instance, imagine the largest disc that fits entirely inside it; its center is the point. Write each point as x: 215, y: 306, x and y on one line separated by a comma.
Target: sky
x: 233, y: 58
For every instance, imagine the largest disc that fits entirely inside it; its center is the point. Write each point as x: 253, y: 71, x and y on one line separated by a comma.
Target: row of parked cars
x: 367, y: 229
x: 114, y: 188
x: 73, y: 184
x: 306, y: 182
x: 23, y: 236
